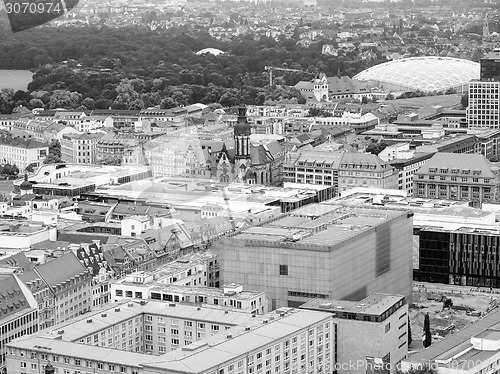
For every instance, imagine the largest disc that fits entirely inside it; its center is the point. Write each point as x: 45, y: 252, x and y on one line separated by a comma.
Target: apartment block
x: 152, y: 337
x: 372, y: 333
x: 18, y: 313
x: 313, y: 251
x: 458, y: 177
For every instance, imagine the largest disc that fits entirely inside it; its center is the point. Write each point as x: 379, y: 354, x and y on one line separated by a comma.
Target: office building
x: 324, y: 251
x: 342, y: 170
x: 18, y: 312
x: 458, y: 177
x: 373, y: 333
x: 484, y: 94
x: 154, y: 337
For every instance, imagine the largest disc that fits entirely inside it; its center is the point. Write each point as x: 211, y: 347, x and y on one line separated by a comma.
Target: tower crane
x: 271, y: 68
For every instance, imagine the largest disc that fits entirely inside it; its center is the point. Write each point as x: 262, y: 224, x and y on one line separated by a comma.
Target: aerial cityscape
x: 249, y: 187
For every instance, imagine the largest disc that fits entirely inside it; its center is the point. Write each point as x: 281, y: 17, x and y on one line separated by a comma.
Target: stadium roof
x: 428, y: 73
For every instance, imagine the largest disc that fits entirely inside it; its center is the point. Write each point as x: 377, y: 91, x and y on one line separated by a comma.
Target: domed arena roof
x: 213, y: 51
x: 428, y: 73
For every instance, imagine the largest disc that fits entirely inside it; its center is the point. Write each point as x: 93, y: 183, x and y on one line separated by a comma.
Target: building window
x: 283, y: 269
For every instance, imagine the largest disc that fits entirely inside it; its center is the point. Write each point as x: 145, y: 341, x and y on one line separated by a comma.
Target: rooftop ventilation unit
x: 117, y: 309
x: 89, y: 320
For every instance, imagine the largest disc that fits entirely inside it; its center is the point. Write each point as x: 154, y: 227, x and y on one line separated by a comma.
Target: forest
x: 134, y: 68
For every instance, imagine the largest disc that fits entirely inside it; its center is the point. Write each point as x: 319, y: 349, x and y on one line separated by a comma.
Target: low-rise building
x: 372, y: 333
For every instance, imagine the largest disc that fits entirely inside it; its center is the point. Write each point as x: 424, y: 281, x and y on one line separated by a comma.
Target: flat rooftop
x: 119, y: 312
x: 249, y: 333
x: 205, y: 291
x: 375, y: 304
x: 319, y: 226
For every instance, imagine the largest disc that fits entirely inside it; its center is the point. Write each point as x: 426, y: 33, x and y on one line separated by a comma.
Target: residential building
x: 92, y: 257
x: 80, y: 148
x: 154, y: 337
x: 22, y: 152
x: 18, y: 313
x: 322, y: 243
x: 458, y: 177
x: 373, y: 333
x: 62, y: 288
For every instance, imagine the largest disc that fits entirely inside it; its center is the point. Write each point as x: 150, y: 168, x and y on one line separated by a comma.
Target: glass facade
x: 460, y: 258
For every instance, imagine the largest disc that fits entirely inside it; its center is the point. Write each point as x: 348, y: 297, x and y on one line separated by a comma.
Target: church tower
x: 242, y: 133
x: 242, y: 158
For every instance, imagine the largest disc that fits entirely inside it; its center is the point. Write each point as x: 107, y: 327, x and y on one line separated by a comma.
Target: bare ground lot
x: 443, y: 318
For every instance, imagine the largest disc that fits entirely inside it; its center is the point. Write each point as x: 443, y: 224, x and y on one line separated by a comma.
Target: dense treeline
x: 135, y: 67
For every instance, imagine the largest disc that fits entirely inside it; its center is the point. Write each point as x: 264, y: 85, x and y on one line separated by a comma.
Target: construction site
x: 467, y: 305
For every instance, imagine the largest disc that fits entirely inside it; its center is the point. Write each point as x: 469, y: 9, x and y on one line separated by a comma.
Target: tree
x: 410, y: 338
x: 54, y: 156
x: 318, y: 112
x: 427, y: 338
x: 465, y: 100
x: 30, y: 169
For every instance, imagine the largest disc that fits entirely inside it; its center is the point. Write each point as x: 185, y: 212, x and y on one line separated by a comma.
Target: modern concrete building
x: 152, y: 337
x: 372, y: 333
x: 458, y: 177
x: 322, y: 251
x: 18, y: 313
x: 484, y: 94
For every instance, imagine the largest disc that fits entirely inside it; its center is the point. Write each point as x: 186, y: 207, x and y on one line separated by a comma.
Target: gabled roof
x: 460, y: 161
x: 12, y: 298
x: 18, y: 260
x: 59, y: 270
